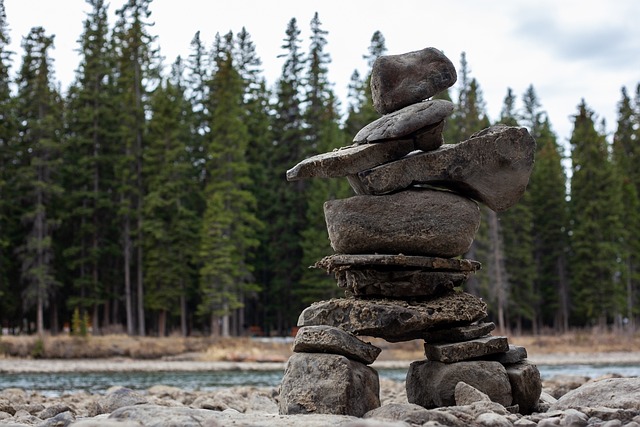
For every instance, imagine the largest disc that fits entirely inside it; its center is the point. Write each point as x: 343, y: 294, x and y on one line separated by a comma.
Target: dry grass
x: 257, y: 350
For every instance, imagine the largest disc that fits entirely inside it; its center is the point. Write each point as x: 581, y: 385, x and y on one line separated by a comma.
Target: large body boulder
x: 412, y: 222
x: 432, y: 384
x: 317, y: 383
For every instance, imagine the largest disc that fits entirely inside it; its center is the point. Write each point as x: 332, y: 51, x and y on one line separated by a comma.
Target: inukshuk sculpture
x: 398, y: 243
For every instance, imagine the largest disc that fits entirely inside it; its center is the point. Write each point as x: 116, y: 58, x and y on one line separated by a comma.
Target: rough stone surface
x: 432, y: 384
x: 327, y: 339
x: 459, y: 333
x: 328, y: 384
x: 394, y: 320
x: 465, y: 394
x: 413, y: 222
x: 408, y: 121
x: 117, y: 397
x: 465, y: 350
x: 350, y: 160
x: 429, y: 138
x: 614, y: 393
x: 398, y: 283
x: 492, y: 167
x: 414, y: 415
x: 339, y: 262
x: 526, y: 385
x: 401, y: 80
x: 515, y: 354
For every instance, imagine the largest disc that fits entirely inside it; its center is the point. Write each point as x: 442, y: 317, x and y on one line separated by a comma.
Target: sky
x: 567, y: 49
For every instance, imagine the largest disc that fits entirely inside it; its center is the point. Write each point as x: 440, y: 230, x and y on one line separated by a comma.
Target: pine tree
x: 286, y: 216
x: 229, y: 224
x: 9, y: 222
x: 135, y: 69
x: 39, y: 110
x: 626, y: 156
x: 596, y: 207
x: 323, y: 135
x: 88, y: 230
x: 171, y: 223
x: 258, y: 108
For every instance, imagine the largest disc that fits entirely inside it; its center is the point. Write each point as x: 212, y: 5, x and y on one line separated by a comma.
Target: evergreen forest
x: 151, y: 199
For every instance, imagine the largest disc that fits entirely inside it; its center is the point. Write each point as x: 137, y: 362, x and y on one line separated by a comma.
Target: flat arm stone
x: 350, y: 160
x: 492, y: 167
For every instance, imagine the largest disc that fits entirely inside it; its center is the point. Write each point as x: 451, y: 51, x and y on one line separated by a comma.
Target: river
x: 58, y: 383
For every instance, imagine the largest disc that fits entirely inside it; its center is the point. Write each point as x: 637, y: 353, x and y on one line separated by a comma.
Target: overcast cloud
x: 569, y: 49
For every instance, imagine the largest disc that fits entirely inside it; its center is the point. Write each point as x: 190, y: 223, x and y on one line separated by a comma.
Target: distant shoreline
x: 120, y: 364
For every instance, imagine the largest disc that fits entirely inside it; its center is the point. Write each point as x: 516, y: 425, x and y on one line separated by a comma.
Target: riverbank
x: 121, y: 364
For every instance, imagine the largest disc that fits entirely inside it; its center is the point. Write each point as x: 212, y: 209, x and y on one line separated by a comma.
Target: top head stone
x: 401, y: 80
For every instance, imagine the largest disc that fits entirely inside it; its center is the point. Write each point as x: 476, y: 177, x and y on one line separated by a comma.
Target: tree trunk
x: 127, y: 274
x: 183, y: 311
x: 499, y: 276
x: 162, y: 323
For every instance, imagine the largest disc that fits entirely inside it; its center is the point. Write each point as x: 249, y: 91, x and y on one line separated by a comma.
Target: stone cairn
x: 398, y: 243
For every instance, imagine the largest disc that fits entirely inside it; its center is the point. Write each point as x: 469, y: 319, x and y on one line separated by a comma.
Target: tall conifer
x: 596, y: 207
x: 136, y: 68
x: 228, y: 226
x: 39, y: 110
x: 90, y: 237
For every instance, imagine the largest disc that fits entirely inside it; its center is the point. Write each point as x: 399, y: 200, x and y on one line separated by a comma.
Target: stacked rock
x: 398, y: 243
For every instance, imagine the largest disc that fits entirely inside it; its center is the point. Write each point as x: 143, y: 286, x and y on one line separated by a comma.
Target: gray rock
x: 398, y: 283
x: 459, y: 333
x: 464, y: 394
x: 465, y: 350
x: 328, y: 384
x: 559, y: 385
x: 404, y: 123
x: 413, y: 222
x: 394, y: 320
x: 338, y: 262
x: 515, y: 354
x: 350, y: 160
x: 53, y: 410
x: 615, y: 393
x: 31, y: 408
x: 401, y: 80
x: 327, y: 339
x: 429, y: 138
x: 574, y: 418
x: 526, y: 385
x: 119, y: 397
x: 492, y: 167
x: 432, y: 384
x: 63, y: 419
x: 493, y: 420
x: 414, y: 415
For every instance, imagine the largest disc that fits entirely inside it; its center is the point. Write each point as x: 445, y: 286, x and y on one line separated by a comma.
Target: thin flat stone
x: 515, y: 354
x: 492, y: 167
x: 459, y: 333
x: 394, y: 320
x: 413, y: 222
x: 401, y: 80
x: 341, y: 261
x: 350, y: 160
x: 327, y: 339
x: 466, y: 350
x: 403, y: 123
x: 398, y: 283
